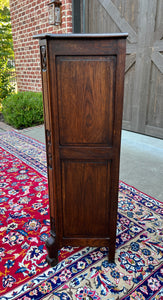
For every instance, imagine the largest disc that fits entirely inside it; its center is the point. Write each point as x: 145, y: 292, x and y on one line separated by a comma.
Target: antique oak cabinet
x: 83, y: 79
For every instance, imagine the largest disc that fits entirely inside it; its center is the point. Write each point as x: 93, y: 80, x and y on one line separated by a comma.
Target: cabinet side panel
x: 85, y: 99
x: 44, y: 57
x: 85, y: 188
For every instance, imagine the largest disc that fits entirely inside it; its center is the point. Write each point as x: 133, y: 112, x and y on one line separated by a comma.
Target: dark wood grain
x: 83, y: 99
x: 79, y: 152
x: 85, y: 203
x: 87, y: 90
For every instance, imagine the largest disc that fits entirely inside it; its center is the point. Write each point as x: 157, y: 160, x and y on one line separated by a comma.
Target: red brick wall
x: 28, y: 18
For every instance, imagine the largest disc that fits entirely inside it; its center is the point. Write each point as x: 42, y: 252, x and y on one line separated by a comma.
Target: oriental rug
x: 82, y: 273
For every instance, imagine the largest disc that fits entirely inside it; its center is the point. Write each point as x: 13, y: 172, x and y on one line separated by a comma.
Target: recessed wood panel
x: 85, y: 187
x: 85, y: 99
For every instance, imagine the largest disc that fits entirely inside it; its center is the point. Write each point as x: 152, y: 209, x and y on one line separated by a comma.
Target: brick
x: 30, y: 17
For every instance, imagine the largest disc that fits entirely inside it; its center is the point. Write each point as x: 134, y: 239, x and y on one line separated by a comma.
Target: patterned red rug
x: 81, y: 273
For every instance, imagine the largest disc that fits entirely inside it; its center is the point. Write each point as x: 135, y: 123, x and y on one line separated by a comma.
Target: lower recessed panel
x: 85, y: 196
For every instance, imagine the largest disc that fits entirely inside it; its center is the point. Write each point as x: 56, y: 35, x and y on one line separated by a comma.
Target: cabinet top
x: 78, y: 36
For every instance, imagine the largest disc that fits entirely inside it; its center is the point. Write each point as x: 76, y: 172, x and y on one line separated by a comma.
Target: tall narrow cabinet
x: 83, y: 80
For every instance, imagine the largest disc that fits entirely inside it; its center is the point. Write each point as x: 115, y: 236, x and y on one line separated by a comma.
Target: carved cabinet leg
x: 111, y: 253
x: 52, y: 248
x: 51, y: 244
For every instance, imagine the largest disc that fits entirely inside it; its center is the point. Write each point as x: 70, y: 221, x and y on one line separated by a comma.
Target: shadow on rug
x: 82, y: 273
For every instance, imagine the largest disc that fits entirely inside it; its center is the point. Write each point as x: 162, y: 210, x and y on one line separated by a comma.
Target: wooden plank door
x: 143, y: 94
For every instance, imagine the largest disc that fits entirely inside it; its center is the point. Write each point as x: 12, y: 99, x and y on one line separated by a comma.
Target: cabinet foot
x: 111, y: 255
x: 111, y: 260
x: 52, y: 261
x: 52, y: 257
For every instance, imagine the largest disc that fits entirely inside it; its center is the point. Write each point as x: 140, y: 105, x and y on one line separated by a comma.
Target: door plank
x: 123, y: 25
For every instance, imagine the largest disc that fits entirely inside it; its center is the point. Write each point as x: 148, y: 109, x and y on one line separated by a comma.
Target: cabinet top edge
x: 83, y: 36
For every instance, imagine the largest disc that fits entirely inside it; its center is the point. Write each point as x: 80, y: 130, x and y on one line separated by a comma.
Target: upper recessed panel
x: 86, y: 99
